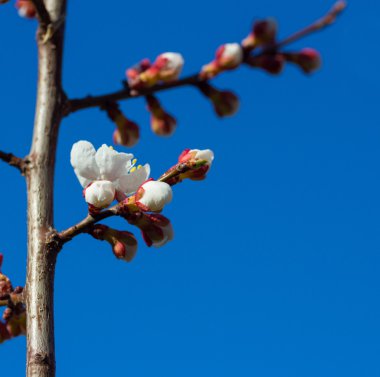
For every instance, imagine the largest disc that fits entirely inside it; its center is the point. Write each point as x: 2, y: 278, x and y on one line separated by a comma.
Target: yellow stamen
x: 139, y: 167
x: 133, y: 169
x: 134, y: 161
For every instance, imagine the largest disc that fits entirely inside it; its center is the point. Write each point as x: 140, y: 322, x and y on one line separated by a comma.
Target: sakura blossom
x: 105, y: 173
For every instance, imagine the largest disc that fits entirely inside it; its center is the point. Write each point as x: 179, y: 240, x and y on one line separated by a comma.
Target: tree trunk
x: 40, y: 175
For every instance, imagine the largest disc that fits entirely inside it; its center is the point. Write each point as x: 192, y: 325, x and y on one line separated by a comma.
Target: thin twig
x: 195, y: 80
x: 328, y: 19
x: 12, y: 160
x: 43, y: 14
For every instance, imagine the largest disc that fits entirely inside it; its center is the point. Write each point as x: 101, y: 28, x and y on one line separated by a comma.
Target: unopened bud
x: 152, y: 196
x: 166, y: 67
x: 263, y: 34
x: 162, y: 123
x: 193, y: 157
x: 228, y: 56
x: 133, y: 73
x: 127, y: 132
x: 308, y: 59
x: 26, y: 9
x: 123, y: 243
x: 225, y: 102
x: 270, y: 63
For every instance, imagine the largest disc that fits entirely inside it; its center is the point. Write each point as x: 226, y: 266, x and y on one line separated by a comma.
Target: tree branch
x: 194, y: 80
x: 43, y: 14
x: 12, y: 160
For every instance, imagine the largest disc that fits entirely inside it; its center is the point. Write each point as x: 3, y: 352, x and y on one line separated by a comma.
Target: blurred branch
x: 194, y: 80
x: 12, y: 160
x: 328, y: 19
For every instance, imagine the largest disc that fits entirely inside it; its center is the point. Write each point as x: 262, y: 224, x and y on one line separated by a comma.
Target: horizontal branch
x: 194, y: 80
x: 14, y: 161
x: 98, y: 101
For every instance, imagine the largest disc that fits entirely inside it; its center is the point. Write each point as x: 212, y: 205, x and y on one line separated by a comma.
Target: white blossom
x: 154, y: 195
x: 106, y: 165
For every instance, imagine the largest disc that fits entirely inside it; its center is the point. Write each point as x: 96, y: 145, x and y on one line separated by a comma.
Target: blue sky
x: 274, y: 270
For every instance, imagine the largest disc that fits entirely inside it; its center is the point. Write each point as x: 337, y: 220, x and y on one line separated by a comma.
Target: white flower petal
x: 112, y: 164
x: 233, y: 51
x: 168, y: 235
x: 204, y: 154
x: 100, y: 194
x: 82, y: 159
x: 156, y: 195
x: 129, y: 183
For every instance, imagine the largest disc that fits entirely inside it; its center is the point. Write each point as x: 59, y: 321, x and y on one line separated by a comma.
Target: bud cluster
x: 270, y: 58
x: 14, y: 316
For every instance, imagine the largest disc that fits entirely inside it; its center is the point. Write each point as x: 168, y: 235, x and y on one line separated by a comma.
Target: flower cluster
x: 107, y: 175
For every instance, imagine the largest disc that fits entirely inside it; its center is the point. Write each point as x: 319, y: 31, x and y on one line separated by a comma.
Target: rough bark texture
x: 40, y: 175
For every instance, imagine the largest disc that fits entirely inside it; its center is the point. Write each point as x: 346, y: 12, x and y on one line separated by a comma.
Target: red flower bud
x: 26, y: 8
x: 127, y: 132
x: 308, y: 59
x: 162, y: 123
x: 273, y: 64
x: 123, y: 243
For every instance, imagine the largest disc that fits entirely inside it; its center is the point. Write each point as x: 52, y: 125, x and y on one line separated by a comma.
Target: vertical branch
x: 40, y: 175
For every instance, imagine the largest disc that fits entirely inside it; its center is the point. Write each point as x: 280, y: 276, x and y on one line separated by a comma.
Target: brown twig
x: 195, y: 80
x: 43, y: 14
x: 12, y: 160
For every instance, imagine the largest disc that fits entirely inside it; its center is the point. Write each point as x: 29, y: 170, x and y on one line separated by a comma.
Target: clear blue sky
x: 274, y: 270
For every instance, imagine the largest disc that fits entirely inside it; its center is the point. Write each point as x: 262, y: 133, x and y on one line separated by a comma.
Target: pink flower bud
x: 128, y: 135
x: 194, y: 156
x: 273, y: 64
x: 162, y: 123
x: 133, y: 74
x: 167, y: 67
x: 225, y: 102
x: 263, y: 34
x: 26, y: 8
x: 308, y: 59
x: 123, y: 243
x: 228, y: 56
x: 152, y: 196
x: 156, y: 229
x: 159, y: 232
x: 127, y: 132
